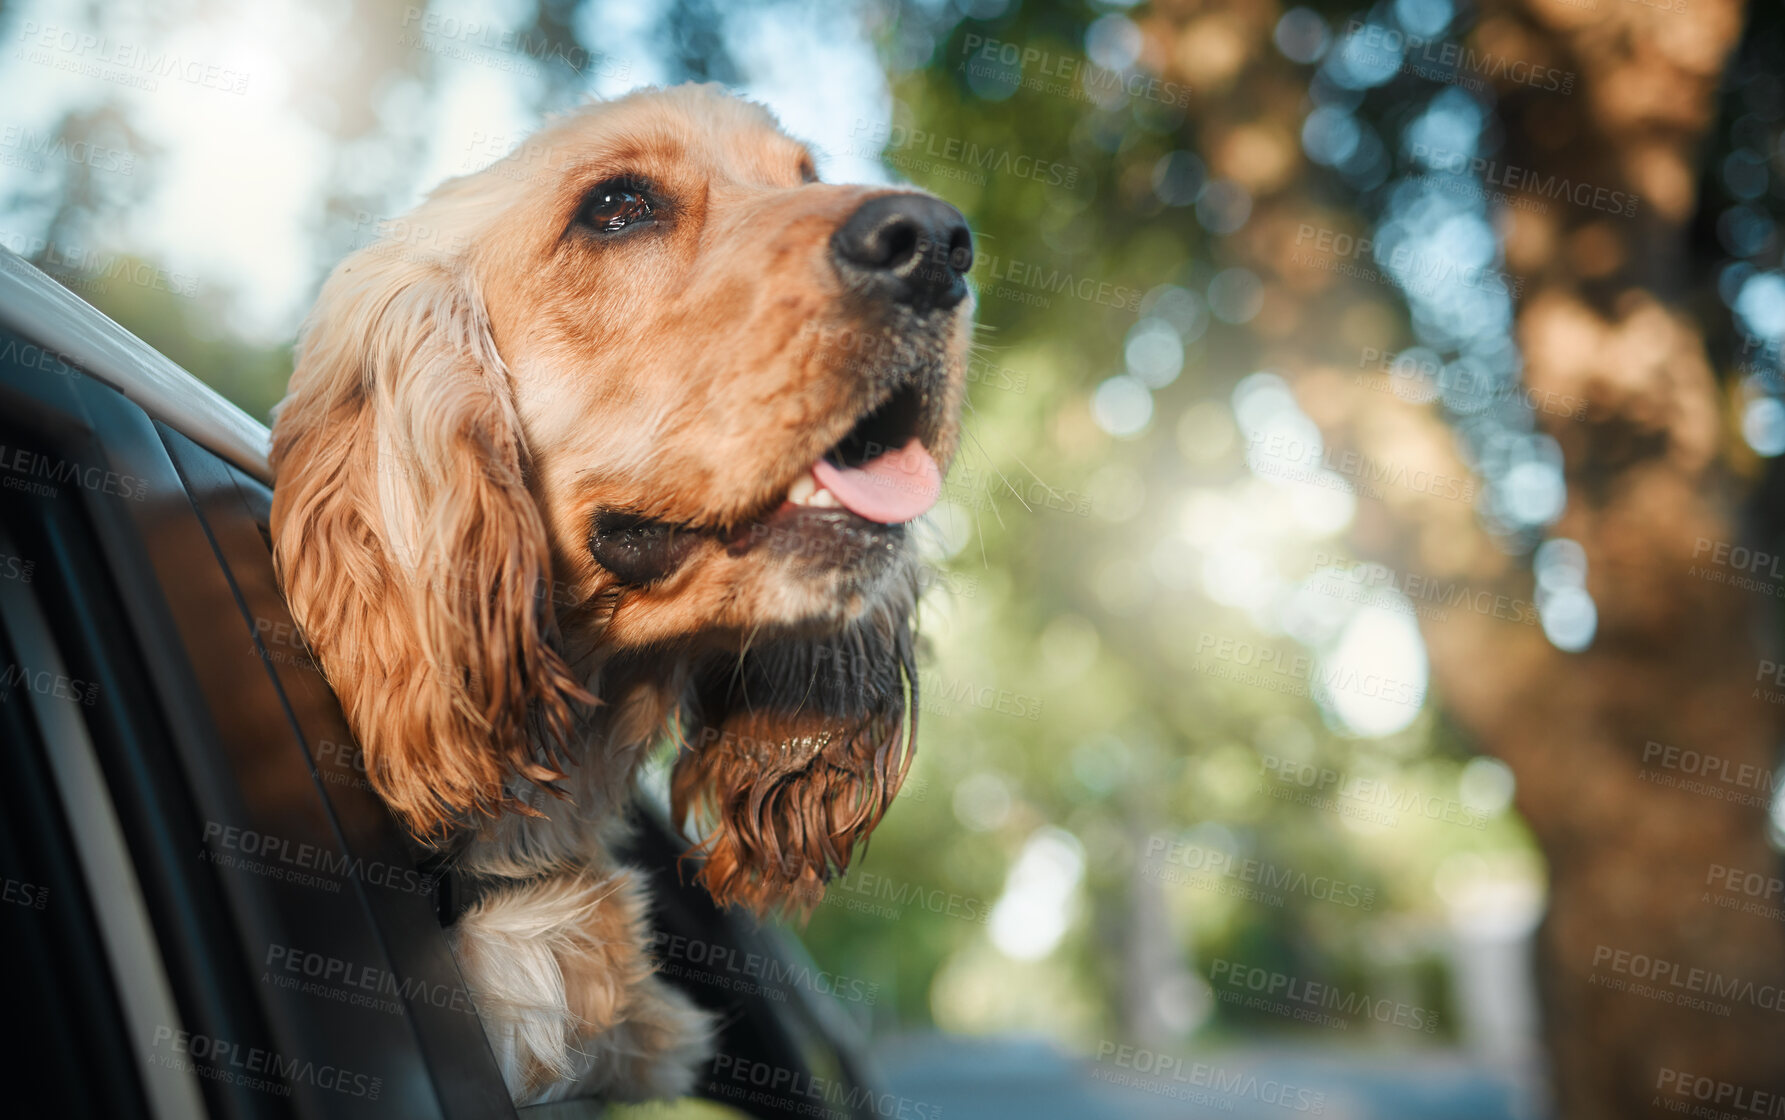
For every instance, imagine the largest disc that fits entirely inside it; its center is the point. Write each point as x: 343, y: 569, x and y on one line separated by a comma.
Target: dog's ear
x: 791, y: 755
x: 413, y: 558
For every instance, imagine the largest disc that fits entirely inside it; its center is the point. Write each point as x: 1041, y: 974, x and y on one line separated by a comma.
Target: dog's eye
x: 612, y: 207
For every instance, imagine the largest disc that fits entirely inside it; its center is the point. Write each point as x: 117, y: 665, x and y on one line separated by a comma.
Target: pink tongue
x: 898, y: 486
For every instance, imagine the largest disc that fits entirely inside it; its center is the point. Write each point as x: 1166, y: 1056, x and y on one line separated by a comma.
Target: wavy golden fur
x: 536, y: 511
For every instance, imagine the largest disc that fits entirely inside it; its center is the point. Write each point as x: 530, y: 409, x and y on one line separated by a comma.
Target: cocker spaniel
x: 611, y: 444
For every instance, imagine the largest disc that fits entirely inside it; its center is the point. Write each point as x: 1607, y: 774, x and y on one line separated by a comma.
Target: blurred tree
x: 1604, y: 319
x: 1074, y: 600
x: 79, y: 191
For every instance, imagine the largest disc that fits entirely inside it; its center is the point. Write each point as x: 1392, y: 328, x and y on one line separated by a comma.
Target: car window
x: 256, y: 894
x: 59, y: 980
x: 268, y: 867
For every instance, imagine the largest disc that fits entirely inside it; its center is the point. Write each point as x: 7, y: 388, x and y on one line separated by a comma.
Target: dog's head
x: 642, y: 394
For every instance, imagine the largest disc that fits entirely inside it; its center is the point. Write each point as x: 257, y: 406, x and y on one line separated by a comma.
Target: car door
x: 212, y: 905
x: 273, y: 947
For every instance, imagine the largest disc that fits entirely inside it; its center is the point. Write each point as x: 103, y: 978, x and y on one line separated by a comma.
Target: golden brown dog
x: 609, y: 444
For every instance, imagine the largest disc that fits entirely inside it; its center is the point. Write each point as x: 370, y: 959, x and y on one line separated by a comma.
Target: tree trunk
x: 1678, y: 658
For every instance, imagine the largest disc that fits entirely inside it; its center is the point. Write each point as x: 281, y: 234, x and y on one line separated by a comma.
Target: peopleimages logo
x: 45, y: 683
x: 1207, y: 866
x: 735, y: 1078
x: 1298, y: 674
x: 500, y: 47
x: 215, y: 1059
x: 1670, y: 982
x: 29, y: 355
x: 977, y: 488
x: 869, y: 888
x: 1030, y: 282
x: 27, y: 470
x: 1328, y: 787
x: 940, y: 694
x: 1711, y: 775
x: 35, y: 146
x: 1286, y: 455
x: 1722, y: 1094
x: 343, y: 981
x: 1408, y: 373
x: 1747, y: 892
x: 259, y: 852
x: 99, y: 56
x: 74, y: 266
x: 746, y: 972
x: 1305, y: 1000
x: 1358, y: 580
x: 1440, y: 59
x: 16, y: 567
x: 1752, y: 562
x: 17, y: 892
x: 1410, y: 270
x: 1751, y: 883
x: 896, y: 143
x: 1170, y: 1070
x: 1513, y: 178
x: 1037, y: 66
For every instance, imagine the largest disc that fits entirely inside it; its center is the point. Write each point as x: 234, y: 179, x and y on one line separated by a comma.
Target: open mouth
x: 880, y: 470
x: 865, y: 487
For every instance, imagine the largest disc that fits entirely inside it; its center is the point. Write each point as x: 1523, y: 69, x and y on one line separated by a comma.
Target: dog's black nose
x: 909, y: 248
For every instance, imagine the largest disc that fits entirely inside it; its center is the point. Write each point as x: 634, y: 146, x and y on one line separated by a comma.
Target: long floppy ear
x: 792, y: 755
x: 413, y: 557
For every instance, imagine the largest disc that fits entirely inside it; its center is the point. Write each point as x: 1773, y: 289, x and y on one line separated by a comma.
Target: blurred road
x: 1027, y: 1079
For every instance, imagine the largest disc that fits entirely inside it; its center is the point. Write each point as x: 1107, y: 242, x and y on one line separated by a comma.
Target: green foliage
x: 1135, y: 747
x: 191, y: 329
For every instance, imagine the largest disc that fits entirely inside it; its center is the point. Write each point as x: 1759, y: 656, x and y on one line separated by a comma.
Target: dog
x: 612, y: 445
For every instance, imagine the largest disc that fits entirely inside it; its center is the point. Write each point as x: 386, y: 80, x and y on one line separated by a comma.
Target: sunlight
x: 1032, y: 915
x: 1374, y: 677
